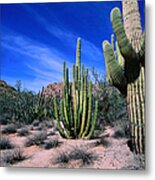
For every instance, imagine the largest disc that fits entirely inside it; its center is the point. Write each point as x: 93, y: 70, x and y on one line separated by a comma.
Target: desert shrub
x: 4, y: 120
x: 23, y: 132
x: 17, y: 105
x: 51, y: 133
x: 5, y: 144
x: 22, y: 105
x: 14, y: 156
x: 47, y: 123
x: 63, y: 158
x: 102, y: 142
x: 10, y: 129
x: 35, y: 122
x: 7, y: 106
x: 119, y: 134
x: 112, y: 104
x: 36, y: 139
x: 42, y: 126
x: 83, y: 155
x: 52, y: 144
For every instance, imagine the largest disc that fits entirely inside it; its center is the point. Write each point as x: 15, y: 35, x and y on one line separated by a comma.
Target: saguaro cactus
x: 75, y: 117
x: 125, y: 66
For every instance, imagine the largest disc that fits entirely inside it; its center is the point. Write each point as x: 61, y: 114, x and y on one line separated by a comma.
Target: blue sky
x: 37, y: 38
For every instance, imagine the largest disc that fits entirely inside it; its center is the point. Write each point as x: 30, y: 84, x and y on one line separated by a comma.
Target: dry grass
x: 52, y: 144
x: 36, y: 139
x: 102, y: 142
x: 9, y: 129
x: 62, y: 158
x: 5, y: 144
x: 14, y: 156
x: 23, y: 132
x: 83, y: 155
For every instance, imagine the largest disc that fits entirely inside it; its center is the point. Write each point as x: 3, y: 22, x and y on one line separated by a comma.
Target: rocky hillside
x: 53, y: 89
x: 4, y: 87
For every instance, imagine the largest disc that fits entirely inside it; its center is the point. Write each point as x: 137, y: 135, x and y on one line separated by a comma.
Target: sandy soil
x: 115, y: 155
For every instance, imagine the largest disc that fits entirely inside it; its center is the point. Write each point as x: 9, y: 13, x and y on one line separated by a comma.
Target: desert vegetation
x: 127, y: 73
x: 92, y: 120
x: 76, y: 108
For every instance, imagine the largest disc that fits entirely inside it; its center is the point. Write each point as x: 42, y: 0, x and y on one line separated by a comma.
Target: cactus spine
x: 125, y: 67
x: 74, y: 118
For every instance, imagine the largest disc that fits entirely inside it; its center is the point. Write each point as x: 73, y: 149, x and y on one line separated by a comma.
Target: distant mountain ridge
x: 54, y: 89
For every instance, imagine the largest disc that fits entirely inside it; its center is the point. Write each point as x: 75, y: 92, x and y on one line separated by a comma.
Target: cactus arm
x: 112, y: 41
x: 78, y: 57
x: 114, y: 70
x: 93, y: 122
x: 79, y: 84
x: 81, y: 97
x: 81, y: 91
x: 61, y: 130
x: 119, y: 56
x: 74, y: 98
x: 79, y: 110
x: 89, y: 109
x: 132, y: 59
x: 84, y: 106
x: 67, y: 81
x: 66, y: 103
x: 70, y: 106
x: 125, y: 47
x: 62, y: 113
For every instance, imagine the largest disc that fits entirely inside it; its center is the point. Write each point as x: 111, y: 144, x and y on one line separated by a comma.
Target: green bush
x: 23, y: 106
x: 112, y: 104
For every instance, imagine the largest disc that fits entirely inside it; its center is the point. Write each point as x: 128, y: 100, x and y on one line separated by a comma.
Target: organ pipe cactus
x: 77, y: 115
x: 125, y: 66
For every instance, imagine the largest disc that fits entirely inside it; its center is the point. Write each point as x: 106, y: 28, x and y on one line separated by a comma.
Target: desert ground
x: 40, y: 145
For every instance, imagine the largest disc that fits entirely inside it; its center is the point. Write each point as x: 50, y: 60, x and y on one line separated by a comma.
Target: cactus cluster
x: 77, y: 114
x: 125, y: 67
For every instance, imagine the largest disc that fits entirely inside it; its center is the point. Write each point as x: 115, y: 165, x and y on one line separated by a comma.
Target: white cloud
x: 89, y: 50
x: 45, y: 62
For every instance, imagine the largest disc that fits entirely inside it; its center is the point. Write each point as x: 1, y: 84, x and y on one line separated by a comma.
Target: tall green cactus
x: 75, y: 117
x: 125, y: 66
